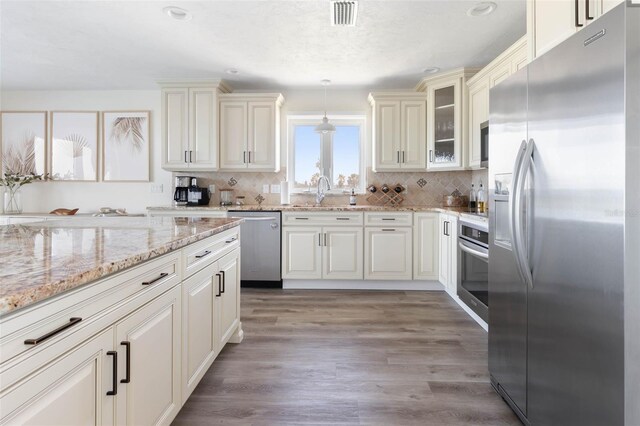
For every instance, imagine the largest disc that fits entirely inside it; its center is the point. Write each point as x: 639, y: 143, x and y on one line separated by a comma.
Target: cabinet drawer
x: 201, y: 254
x: 388, y: 219
x: 322, y: 218
x: 48, y: 329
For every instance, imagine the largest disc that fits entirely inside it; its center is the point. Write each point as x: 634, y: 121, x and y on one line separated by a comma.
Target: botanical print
x: 74, y: 146
x: 126, y: 146
x: 24, y: 136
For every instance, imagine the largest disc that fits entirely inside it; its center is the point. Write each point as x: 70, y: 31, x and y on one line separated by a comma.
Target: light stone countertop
x: 42, y: 259
x: 311, y: 208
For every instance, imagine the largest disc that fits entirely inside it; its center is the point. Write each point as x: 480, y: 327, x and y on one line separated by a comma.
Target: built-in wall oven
x: 473, y: 266
x: 484, y: 144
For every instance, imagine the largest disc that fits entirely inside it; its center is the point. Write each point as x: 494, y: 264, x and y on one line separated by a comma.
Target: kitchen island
x: 124, y: 315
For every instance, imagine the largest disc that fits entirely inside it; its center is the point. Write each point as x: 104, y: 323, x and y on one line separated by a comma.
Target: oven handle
x: 473, y: 252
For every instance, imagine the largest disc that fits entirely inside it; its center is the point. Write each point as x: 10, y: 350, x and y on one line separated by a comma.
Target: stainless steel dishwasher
x: 260, y: 248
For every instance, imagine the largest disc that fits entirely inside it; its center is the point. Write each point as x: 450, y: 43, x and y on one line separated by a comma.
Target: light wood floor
x: 350, y: 357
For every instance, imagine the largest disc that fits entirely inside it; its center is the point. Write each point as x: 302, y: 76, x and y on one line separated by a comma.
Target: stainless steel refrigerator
x: 564, y: 263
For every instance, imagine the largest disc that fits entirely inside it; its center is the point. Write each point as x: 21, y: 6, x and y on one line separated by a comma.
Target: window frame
x: 359, y: 120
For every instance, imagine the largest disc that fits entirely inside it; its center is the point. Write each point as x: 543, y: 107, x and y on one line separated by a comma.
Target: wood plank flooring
x: 349, y: 358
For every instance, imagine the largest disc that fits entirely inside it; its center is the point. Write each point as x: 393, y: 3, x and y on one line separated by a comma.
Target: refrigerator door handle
x: 514, y: 204
x: 521, y: 251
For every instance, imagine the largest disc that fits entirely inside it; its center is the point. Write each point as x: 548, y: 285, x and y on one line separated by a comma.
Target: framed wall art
x: 23, y: 142
x: 125, y: 146
x: 74, y: 145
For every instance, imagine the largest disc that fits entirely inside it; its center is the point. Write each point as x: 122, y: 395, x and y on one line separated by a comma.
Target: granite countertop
x: 312, y: 208
x: 42, y: 259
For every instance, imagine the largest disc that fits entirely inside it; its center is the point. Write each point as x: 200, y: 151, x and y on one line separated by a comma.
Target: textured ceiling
x: 131, y: 44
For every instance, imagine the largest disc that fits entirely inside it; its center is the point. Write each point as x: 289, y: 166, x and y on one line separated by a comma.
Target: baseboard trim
x: 468, y: 310
x: 361, y: 285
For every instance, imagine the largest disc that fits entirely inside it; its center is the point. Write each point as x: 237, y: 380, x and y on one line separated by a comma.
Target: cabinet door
x: 478, y: 114
x: 175, y: 128
x: 203, y: 132
x: 71, y: 390
x: 500, y: 73
x: 388, y: 254
x: 261, y: 151
x: 152, y: 333
x: 198, y: 326
x: 445, y: 131
x: 387, y: 135
x: 302, y: 252
x: 444, y: 269
x: 342, y: 256
x: 229, y: 299
x: 413, y: 135
x: 453, y: 254
x: 233, y: 135
x: 426, y: 243
x: 552, y: 22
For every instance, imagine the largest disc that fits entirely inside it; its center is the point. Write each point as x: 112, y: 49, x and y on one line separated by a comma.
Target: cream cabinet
x: 448, y: 247
x: 426, y: 246
x: 498, y: 70
x: 388, y: 253
x: 549, y: 22
x: 250, y: 131
x: 228, y: 298
x: 399, y: 131
x: 190, y: 125
x: 322, y: 246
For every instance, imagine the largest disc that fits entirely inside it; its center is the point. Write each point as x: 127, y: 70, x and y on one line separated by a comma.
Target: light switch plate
x: 275, y: 189
x: 157, y: 188
x: 265, y: 189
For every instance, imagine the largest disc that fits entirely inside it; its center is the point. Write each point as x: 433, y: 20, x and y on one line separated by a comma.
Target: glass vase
x: 12, y: 200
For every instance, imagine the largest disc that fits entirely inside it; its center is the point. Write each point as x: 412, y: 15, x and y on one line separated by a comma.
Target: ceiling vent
x: 344, y: 13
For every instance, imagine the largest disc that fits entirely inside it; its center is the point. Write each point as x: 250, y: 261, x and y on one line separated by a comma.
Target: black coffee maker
x: 181, y: 194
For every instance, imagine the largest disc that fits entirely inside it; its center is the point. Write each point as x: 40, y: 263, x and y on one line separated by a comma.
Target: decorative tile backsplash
x: 422, y: 188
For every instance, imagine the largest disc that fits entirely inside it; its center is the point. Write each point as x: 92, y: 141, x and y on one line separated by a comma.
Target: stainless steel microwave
x: 484, y: 144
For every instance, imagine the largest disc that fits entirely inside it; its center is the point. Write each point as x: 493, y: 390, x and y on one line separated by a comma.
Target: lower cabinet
x: 228, y: 298
x: 388, y: 253
x: 69, y: 391
x: 322, y: 252
x: 448, y: 242
x: 426, y: 244
x: 149, y: 366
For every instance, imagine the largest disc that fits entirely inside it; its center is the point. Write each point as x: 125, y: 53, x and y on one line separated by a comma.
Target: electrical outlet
x: 212, y: 189
x: 157, y: 188
x: 275, y: 189
x: 265, y: 189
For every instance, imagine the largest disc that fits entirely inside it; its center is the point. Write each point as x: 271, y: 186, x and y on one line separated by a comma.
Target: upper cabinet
x: 189, y: 125
x: 447, y: 111
x: 551, y: 22
x: 498, y: 70
x: 399, y: 131
x: 250, y: 131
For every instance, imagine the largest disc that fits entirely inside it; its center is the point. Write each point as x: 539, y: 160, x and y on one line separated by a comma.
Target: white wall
x: 89, y: 197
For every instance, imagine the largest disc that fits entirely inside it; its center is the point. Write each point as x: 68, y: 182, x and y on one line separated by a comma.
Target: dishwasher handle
x: 255, y: 219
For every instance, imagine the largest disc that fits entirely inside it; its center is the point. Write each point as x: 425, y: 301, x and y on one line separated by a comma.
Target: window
x: 338, y: 156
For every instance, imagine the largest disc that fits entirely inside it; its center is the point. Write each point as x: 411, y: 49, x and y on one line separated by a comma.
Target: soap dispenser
x: 352, y: 198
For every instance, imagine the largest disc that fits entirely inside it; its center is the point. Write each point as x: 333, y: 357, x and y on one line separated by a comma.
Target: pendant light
x: 325, y: 127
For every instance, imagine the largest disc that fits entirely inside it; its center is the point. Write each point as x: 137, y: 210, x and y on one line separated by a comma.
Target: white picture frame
x: 23, y: 142
x: 126, y: 146
x: 74, y: 145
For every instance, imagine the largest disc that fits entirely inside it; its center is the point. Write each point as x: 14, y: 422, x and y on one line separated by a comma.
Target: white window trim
x: 314, y: 120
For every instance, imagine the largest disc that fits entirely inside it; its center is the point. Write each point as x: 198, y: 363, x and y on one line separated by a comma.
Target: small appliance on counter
x: 226, y: 197
x: 181, y: 194
x: 197, y: 196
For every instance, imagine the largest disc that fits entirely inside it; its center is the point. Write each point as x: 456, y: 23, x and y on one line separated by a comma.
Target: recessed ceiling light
x: 178, y: 13
x: 431, y: 70
x: 482, y: 9
x: 231, y: 71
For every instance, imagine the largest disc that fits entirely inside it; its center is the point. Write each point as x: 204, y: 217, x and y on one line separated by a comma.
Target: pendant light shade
x: 325, y: 127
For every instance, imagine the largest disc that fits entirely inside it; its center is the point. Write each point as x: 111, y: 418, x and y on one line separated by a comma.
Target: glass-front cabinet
x: 444, y: 140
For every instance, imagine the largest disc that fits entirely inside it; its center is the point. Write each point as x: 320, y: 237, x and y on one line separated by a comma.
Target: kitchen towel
x: 284, y: 193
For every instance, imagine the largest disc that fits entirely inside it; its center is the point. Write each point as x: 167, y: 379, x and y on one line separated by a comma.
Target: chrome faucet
x: 320, y: 193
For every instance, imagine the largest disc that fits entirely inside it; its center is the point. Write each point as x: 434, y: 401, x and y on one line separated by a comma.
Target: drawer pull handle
x: 72, y: 321
x: 162, y: 275
x: 231, y: 240
x: 342, y: 218
x: 388, y: 218
x: 127, y: 379
x: 205, y: 254
x: 223, y: 282
x: 219, y: 283
x: 302, y: 218
x: 114, y: 384
x: 389, y: 230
